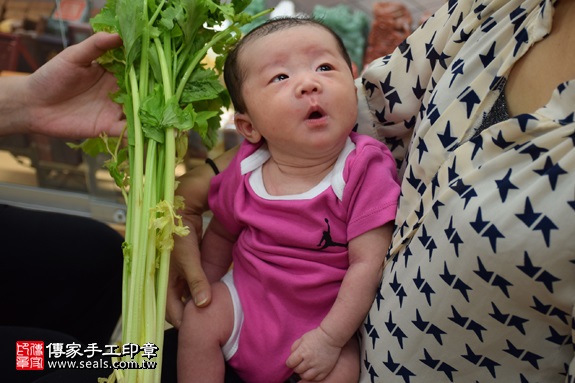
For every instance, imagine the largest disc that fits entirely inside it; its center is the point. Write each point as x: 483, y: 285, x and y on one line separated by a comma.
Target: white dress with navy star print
x: 480, y: 280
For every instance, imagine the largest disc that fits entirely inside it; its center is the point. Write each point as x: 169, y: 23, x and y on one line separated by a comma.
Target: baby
x: 304, y: 212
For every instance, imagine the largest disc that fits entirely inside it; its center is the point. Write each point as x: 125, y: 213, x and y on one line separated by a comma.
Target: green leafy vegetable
x: 166, y: 90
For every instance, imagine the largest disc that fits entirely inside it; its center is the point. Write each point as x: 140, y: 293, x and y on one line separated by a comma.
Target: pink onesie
x: 291, y: 254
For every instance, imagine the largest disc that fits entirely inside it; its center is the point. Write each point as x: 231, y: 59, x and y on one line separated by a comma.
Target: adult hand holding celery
x: 165, y: 91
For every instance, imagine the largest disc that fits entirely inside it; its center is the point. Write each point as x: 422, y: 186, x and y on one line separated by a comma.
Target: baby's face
x: 298, y: 88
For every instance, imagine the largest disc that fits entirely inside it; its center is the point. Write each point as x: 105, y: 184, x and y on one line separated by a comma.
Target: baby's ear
x: 245, y: 127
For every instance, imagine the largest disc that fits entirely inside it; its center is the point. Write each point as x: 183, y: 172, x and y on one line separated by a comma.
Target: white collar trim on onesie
x: 334, y: 178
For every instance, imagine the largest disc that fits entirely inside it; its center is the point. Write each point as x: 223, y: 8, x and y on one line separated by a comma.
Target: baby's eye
x: 324, y: 68
x: 279, y: 77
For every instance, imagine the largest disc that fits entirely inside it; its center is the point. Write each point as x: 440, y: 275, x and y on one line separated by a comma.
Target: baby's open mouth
x: 315, y: 115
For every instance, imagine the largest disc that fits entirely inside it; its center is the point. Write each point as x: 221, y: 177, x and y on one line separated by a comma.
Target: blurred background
x: 43, y: 173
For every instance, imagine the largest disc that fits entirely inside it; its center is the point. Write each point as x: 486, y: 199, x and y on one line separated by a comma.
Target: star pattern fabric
x: 479, y: 284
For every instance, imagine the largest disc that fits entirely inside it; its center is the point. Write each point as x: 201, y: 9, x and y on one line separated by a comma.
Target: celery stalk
x: 165, y: 92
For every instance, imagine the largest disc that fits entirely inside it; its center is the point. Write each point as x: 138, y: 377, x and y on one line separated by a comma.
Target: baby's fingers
x: 312, y: 375
x: 295, y: 358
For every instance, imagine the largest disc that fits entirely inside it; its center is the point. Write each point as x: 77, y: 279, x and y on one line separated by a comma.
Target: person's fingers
x: 90, y: 49
x: 191, y: 265
x: 106, y: 41
x: 114, y: 120
x: 174, y: 301
x: 295, y: 358
x: 186, y: 279
x: 199, y: 286
x: 312, y: 375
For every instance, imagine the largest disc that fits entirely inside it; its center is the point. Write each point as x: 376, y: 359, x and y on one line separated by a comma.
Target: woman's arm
x: 187, y: 276
x: 216, y: 250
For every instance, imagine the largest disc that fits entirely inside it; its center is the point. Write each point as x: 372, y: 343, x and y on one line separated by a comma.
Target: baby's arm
x: 216, y: 250
x: 315, y: 354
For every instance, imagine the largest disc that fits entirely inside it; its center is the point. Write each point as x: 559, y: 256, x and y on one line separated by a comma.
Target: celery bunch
x: 165, y: 91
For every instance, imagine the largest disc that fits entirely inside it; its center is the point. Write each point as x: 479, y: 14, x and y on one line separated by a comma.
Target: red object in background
x: 391, y: 25
x: 12, y: 48
x: 70, y: 10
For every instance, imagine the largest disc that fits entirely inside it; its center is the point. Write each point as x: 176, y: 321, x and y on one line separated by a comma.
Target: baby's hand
x: 314, y: 355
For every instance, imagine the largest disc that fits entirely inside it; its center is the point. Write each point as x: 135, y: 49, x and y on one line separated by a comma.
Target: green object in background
x: 351, y: 26
x: 255, y: 7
